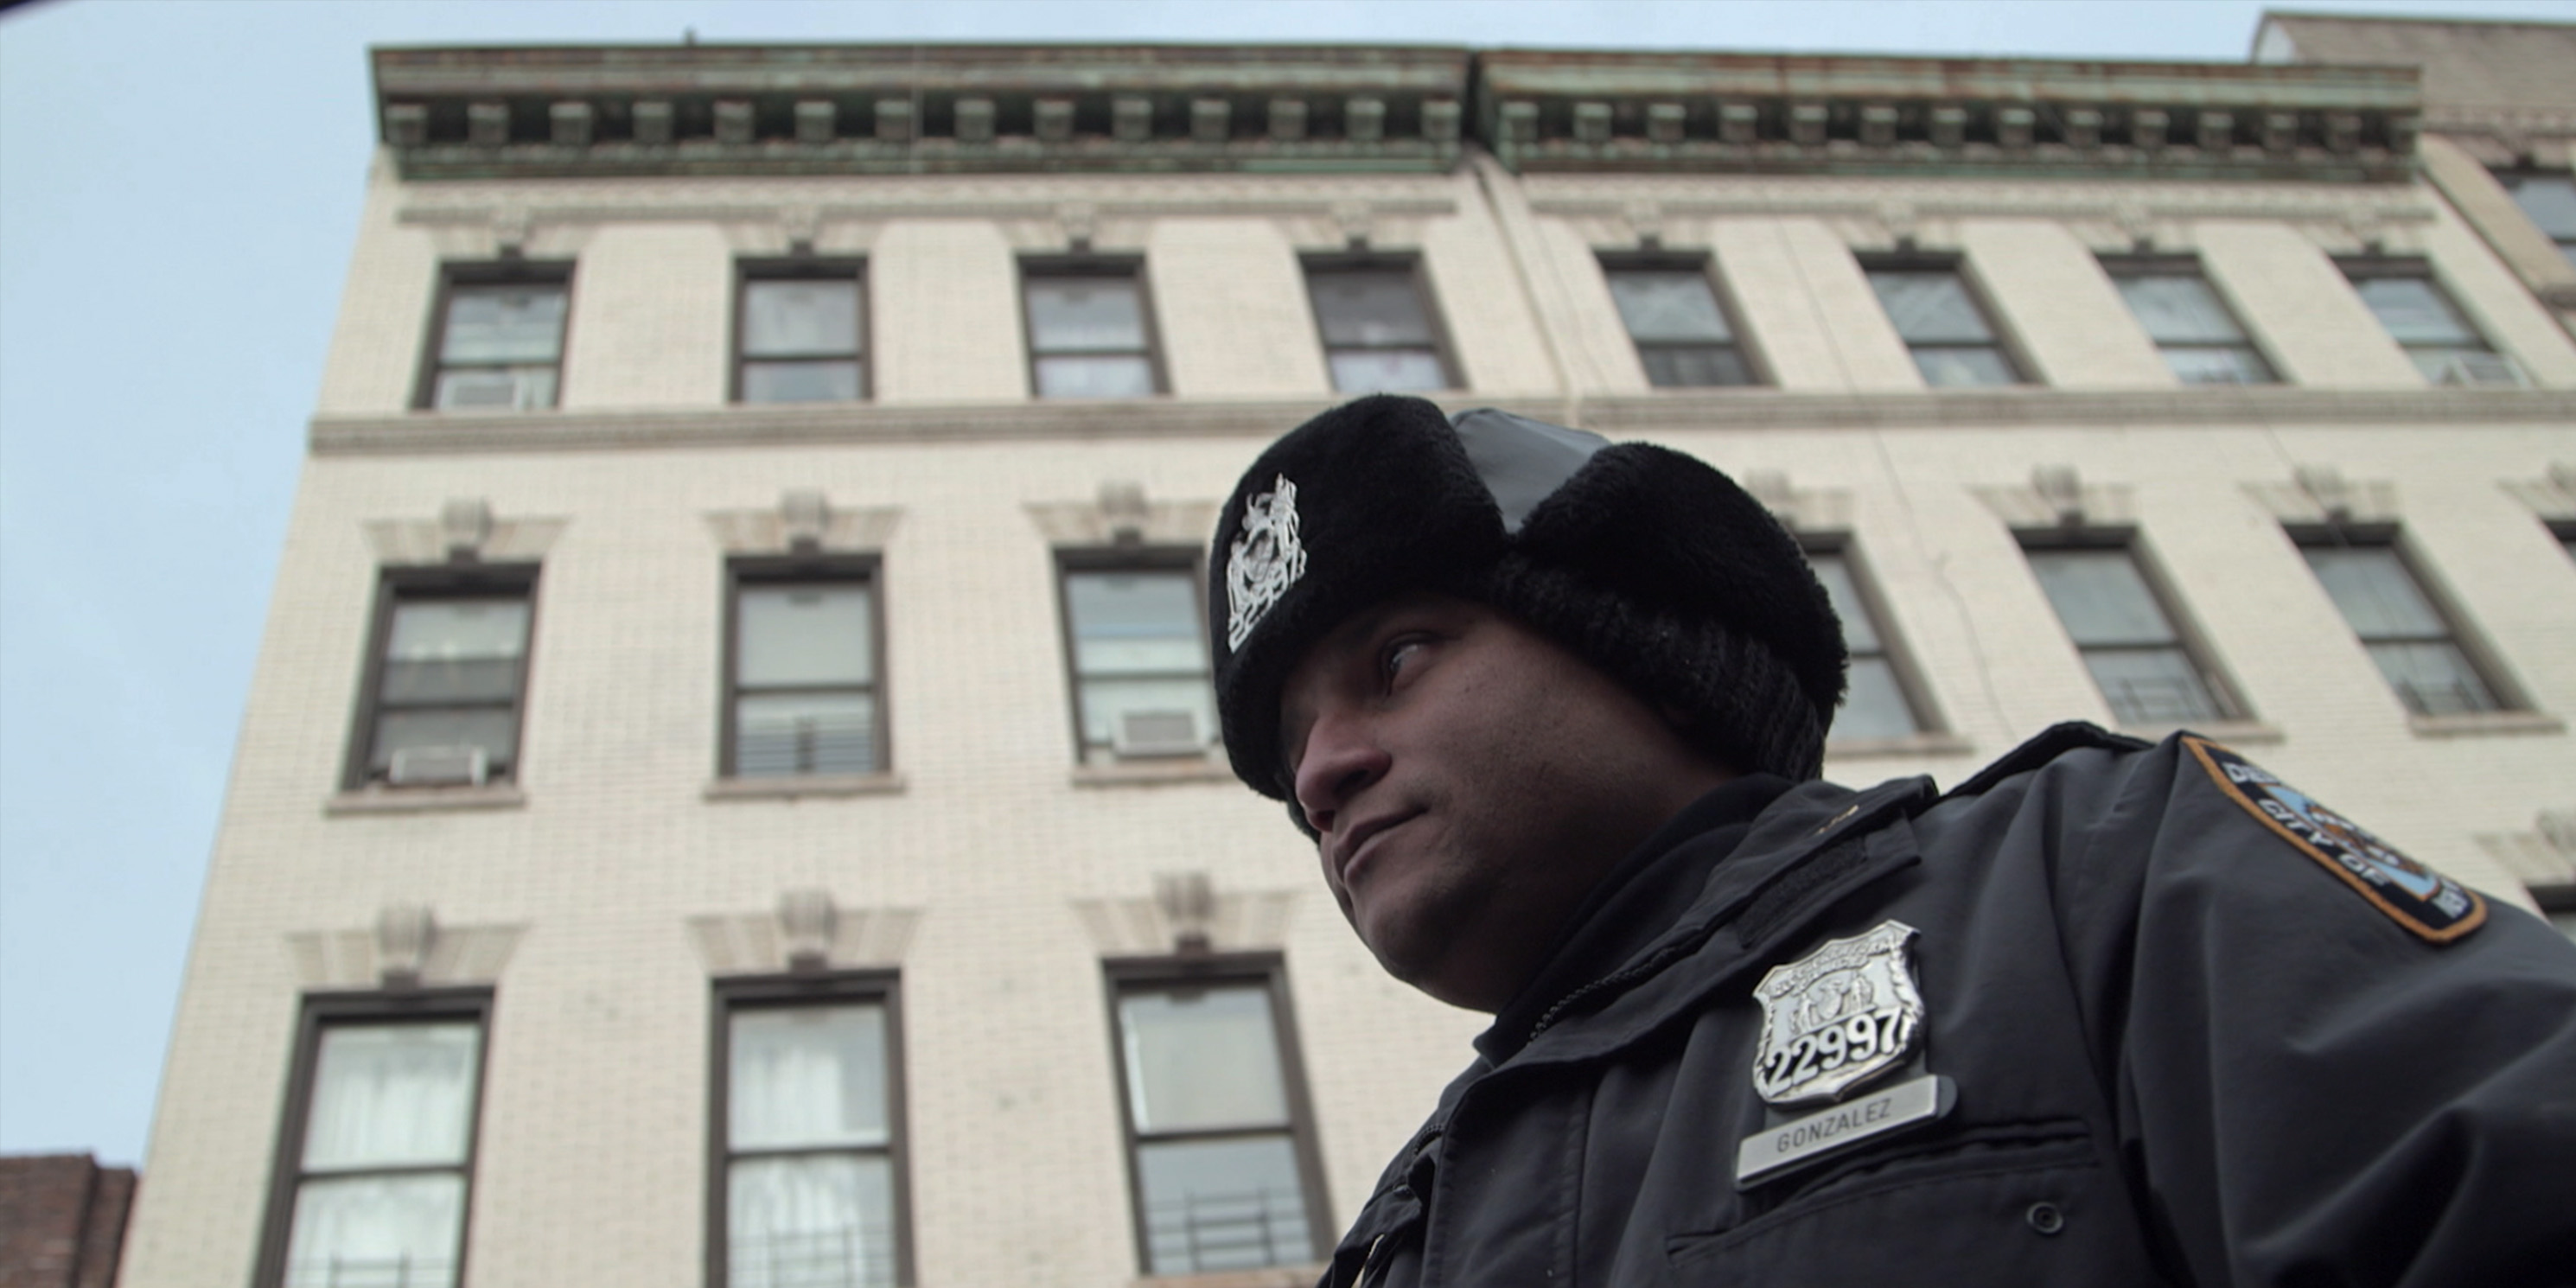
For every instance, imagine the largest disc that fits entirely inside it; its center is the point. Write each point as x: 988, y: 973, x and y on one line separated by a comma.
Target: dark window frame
x: 733, y: 994
x: 319, y: 1011
x: 1956, y: 265
x: 500, y: 272
x: 2117, y: 267
x: 1756, y: 373
x: 1111, y: 559
x: 2228, y: 703
x: 2481, y: 658
x: 459, y: 580
x: 1182, y: 971
x: 1842, y: 544
x: 1443, y: 351
x: 1131, y: 268
x: 2563, y: 531
x: 749, y: 271
x: 2357, y: 269
x: 794, y: 569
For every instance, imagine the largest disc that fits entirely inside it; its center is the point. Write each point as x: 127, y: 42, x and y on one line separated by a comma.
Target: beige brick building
x: 727, y: 795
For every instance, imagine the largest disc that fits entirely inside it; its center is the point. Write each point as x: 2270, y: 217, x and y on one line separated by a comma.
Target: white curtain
x: 808, y: 1075
x: 376, y: 1232
x: 810, y: 1222
x: 392, y: 1095
x: 1202, y: 1058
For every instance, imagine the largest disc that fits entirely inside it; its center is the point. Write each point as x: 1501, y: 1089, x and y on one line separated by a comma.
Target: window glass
x: 1085, y: 314
x: 2193, y: 329
x: 2127, y: 640
x: 2550, y: 201
x: 1668, y: 304
x: 1930, y: 307
x: 825, y: 1221
x: 2415, y: 311
x: 787, y: 382
x: 810, y: 1174
x: 1215, y: 1205
x: 2218, y: 366
x: 788, y: 319
x: 500, y: 324
x: 808, y: 1075
x: 2406, y: 635
x: 1875, y: 704
x: 449, y: 668
x: 1202, y: 1058
x: 1088, y: 336
x: 1387, y: 371
x: 392, y: 1094
x: 1369, y: 307
x: 1135, y: 622
x: 377, y: 1189
x: 455, y: 650
x: 804, y: 679
x: 805, y: 634
x: 1220, y: 1184
x: 398, y: 1231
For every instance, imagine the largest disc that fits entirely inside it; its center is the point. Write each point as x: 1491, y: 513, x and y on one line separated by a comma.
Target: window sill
x: 2233, y: 733
x: 2481, y: 723
x: 414, y: 800
x: 1912, y: 744
x: 1210, y: 768
x: 791, y: 786
x: 1301, y: 1276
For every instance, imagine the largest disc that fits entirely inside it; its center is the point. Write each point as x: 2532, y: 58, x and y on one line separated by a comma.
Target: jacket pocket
x: 2035, y: 1208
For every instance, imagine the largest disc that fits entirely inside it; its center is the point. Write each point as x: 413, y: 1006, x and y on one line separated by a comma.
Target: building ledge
x: 1637, y: 414
x: 793, y: 786
x: 1210, y: 768
x: 2477, y: 724
x: 414, y: 800
x: 1917, y: 744
x: 2232, y: 733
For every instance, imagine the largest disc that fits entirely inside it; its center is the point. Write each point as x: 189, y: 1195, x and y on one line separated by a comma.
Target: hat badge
x: 1267, y: 559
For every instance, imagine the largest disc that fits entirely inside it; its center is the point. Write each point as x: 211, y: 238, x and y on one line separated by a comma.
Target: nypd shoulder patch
x: 2426, y: 903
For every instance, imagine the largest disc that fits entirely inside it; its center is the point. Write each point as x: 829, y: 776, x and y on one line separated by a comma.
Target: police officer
x: 2107, y: 1013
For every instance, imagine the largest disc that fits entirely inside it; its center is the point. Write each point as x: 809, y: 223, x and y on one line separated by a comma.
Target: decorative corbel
x: 1187, y: 901
x: 464, y: 527
x: 1077, y: 220
x: 1123, y: 506
x: 804, y: 516
x: 404, y: 934
x: 2325, y: 485
x: 807, y: 922
x: 2061, y: 489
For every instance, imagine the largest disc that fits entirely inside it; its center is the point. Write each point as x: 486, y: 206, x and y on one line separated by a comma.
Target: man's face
x: 1471, y: 781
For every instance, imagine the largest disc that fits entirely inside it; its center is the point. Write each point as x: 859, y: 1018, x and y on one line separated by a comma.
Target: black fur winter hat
x: 1645, y: 562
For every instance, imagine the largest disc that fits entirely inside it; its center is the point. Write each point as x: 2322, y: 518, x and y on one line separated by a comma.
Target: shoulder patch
x: 2434, y: 907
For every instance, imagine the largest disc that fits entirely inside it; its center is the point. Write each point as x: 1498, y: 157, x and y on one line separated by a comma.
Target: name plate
x: 1820, y: 1135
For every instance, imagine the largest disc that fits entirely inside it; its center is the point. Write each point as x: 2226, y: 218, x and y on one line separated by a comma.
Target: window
x: 1942, y: 323
x: 1376, y: 323
x: 1876, y: 705
x: 2407, y: 635
x: 499, y: 340
x: 2189, y: 323
x: 1682, y: 334
x: 377, y: 1153
x: 2550, y: 201
x: 445, y: 675
x: 802, y: 333
x: 1140, y: 662
x: 801, y: 668
x: 2424, y: 322
x: 1221, y: 1157
x: 2124, y: 630
x: 1088, y: 333
x: 808, y: 1115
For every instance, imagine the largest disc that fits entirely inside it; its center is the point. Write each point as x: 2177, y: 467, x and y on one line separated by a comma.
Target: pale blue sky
x: 179, y: 189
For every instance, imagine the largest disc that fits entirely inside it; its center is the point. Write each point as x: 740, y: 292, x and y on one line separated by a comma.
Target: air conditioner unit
x: 2479, y: 369
x: 1157, y: 733
x: 506, y: 389
x: 439, y: 767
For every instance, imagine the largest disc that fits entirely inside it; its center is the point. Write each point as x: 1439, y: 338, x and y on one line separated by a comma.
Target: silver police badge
x: 1838, y: 1017
x: 1266, y: 560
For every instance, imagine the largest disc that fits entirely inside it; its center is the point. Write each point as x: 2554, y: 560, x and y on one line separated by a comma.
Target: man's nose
x: 1342, y: 757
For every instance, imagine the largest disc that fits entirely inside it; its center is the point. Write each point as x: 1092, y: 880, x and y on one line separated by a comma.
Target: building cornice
x: 727, y: 110
x: 682, y: 110
x: 1807, y: 114
x: 1668, y: 412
